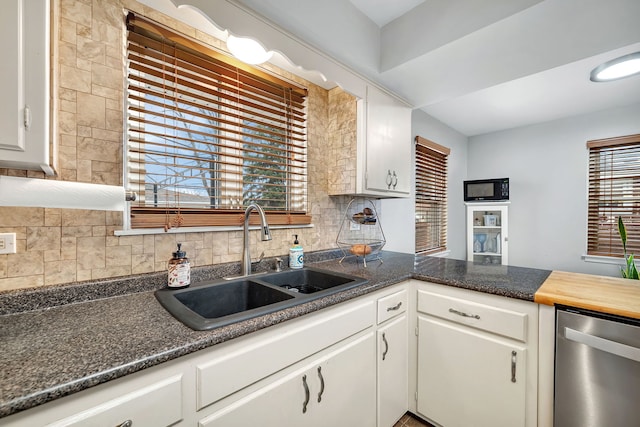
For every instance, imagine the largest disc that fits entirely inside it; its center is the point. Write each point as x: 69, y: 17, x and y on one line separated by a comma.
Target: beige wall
x: 63, y: 245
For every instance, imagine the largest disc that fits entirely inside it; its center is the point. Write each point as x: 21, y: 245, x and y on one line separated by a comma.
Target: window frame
x: 431, y: 186
x: 610, y: 193
x: 293, y: 159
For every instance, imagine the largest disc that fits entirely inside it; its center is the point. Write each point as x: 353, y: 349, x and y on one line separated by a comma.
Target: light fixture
x: 619, y: 68
x: 248, y: 50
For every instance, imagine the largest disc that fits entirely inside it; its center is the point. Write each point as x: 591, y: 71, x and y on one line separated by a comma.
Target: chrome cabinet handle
x: 389, y: 179
x: 603, y: 344
x: 386, y: 346
x: 395, y: 307
x: 306, y: 394
x: 513, y: 366
x: 463, y: 314
x: 321, y: 383
x: 394, y: 180
x: 127, y: 423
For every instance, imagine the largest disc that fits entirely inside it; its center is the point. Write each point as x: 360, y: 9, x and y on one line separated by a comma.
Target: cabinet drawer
x: 392, y: 305
x: 159, y: 404
x: 249, y: 361
x: 499, y: 321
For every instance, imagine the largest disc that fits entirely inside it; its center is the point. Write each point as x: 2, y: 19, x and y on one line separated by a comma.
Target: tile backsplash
x: 57, y: 246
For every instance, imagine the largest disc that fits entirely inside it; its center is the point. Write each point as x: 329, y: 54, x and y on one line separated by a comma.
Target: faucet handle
x: 278, y: 264
x: 259, y: 259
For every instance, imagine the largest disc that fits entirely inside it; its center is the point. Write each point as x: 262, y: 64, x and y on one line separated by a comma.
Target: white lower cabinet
x: 393, y: 371
x: 467, y: 379
x: 145, y: 399
x: 476, y: 358
x: 473, y: 362
x: 392, y: 356
x: 336, y: 389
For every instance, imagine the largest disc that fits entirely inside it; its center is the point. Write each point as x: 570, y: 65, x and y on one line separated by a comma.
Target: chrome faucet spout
x: 265, y: 235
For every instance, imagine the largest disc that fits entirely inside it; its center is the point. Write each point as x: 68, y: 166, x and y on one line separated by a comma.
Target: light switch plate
x: 7, y: 243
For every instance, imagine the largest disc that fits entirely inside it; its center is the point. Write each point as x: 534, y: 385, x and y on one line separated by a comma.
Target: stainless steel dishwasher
x: 597, y: 370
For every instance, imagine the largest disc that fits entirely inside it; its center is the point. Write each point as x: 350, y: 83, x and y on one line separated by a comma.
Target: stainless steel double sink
x: 210, y: 305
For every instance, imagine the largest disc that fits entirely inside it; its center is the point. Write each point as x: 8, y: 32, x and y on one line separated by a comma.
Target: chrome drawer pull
x: 513, y: 366
x: 395, y: 307
x: 306, y: 394
x: 321, y: 383
x: 127, y: 423
x: 386, y: 346
x: 463, y: 314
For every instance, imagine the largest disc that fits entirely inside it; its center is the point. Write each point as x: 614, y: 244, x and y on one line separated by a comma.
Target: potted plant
x: 629, y: 271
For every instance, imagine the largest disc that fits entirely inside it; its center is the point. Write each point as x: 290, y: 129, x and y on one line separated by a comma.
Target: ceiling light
x: 248, y: 50
x: 618, y: 68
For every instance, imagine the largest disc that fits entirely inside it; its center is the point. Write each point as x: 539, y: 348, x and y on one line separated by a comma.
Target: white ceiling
x: 478, y: 66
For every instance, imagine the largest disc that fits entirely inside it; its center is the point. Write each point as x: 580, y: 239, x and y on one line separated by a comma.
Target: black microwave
x: 486, y: 189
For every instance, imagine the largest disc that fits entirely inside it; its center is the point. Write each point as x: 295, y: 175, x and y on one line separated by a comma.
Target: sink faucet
x: 265, y: 235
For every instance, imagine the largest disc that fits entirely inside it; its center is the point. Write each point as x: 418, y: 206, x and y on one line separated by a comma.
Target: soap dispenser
x: 296, y: 254
x: 179, y: 270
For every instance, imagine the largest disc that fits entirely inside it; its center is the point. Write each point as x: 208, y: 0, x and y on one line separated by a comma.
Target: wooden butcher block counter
x: 611, y: 295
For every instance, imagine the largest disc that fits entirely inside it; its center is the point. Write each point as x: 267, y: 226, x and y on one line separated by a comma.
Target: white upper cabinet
x: 24, y: 84
x: 385, y: 124
x: 368, y: 145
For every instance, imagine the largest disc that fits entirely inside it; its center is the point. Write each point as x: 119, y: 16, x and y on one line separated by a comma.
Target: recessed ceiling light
x: 618, y: 68
x: 248, y: 50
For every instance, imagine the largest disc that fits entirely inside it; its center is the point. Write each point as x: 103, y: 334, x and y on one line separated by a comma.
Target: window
x: 614, y: 190
x: 431, y: 196
x: 208, y: 135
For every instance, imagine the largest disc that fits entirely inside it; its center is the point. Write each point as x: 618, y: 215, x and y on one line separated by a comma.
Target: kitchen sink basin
x: 307, y: 281
x: 219, y: 303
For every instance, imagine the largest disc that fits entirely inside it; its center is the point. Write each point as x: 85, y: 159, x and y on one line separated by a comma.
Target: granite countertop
x: 65, y: 339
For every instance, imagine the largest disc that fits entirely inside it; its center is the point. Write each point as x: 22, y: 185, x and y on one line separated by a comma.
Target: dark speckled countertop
x: 47, y: 353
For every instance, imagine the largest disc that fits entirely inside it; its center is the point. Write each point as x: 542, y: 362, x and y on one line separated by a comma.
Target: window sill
x: 442, y: 254
x: 143, y: 231
x: 603, y: 259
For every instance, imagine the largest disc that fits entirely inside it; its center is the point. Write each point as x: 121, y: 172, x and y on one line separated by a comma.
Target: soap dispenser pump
x: 179, y: 270
x: 296, y: 254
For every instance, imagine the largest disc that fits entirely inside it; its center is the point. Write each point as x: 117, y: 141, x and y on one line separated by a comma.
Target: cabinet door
x: 388, y: 145
x: 393, y: 368
x: 349, y: 396
x: 333, y: 390
x: 468, y: 378
x: 11, y: 80
x: 24, y: 84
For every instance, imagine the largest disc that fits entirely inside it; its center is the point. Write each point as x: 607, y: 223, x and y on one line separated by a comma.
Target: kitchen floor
x: 410, y: 420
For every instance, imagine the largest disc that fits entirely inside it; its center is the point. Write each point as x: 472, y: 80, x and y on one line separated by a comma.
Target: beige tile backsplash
x: 57, y: 246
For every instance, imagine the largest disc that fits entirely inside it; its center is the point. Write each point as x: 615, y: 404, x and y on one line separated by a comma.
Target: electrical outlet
x: 7, y: 243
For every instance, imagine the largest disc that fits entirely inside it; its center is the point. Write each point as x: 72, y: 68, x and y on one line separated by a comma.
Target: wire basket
x: 360, y: 232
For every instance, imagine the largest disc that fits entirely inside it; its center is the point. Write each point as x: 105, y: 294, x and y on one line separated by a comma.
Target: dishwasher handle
x: 613, y: 347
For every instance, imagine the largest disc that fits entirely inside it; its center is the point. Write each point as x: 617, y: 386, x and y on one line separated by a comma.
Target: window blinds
x: 431, y: 196
x: 208, y: 135
x: 614, y: 190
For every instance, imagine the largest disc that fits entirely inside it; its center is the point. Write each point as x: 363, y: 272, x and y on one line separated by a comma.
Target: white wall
x: 547, y: 165
x: 398, y: 215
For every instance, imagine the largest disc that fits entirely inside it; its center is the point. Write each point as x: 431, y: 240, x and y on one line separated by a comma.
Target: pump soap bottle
x: 179, y: 270
x: 296, y: 254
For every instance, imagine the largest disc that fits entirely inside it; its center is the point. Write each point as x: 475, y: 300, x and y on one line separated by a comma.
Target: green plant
x: 629, y: 271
